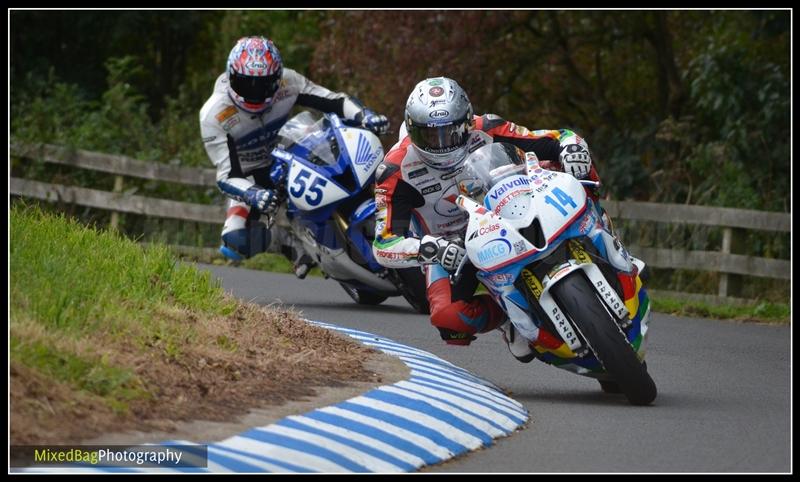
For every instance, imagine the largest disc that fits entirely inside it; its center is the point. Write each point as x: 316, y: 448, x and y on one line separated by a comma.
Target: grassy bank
x: 758, y: 311
x: 275, y: 263
x: 107, y: 334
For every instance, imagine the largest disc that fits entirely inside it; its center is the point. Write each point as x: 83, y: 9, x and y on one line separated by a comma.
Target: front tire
x: 581, y: 304
x: 610, y: 386
x: 363, y: 297
x: 414, y: 289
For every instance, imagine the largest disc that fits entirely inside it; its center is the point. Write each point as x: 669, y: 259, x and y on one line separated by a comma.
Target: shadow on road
x: 587, y: 396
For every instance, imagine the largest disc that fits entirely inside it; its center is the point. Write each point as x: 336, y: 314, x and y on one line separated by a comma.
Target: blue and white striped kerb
x: 440, y: 412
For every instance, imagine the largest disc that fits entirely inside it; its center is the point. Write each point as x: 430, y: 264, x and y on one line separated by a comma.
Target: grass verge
x: 275, y: 263
x: 758, y: 311
x: 763, y: 311
x: 107, y: 335
x: 272, y: 262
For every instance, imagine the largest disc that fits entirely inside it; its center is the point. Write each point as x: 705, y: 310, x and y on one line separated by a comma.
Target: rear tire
x: 581, y: 304
x: 363, y: 297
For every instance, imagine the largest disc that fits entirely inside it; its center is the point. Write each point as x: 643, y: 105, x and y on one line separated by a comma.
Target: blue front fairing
x: 362, y: 213
x: 340, y: 173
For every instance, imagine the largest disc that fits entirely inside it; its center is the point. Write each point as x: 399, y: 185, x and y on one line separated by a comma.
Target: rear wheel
x: 581, y: 304
x: 363, y: 297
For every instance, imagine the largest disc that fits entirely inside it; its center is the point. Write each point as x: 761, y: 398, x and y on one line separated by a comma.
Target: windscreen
x: 313, y: 136
x: 487, y: 166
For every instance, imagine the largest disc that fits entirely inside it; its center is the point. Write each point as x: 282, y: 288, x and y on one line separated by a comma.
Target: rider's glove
x: 264, y: 200
x: 433, y: 249
x: 377, y: 123
x: 574, y: 156
x: 277, y: 173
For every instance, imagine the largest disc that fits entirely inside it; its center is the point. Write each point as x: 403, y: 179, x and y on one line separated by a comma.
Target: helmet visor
x: 439, y: 139
x: 255, y: 90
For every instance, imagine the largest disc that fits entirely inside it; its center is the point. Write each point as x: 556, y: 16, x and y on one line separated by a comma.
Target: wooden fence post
x: 114, y: 224
x: 732, y: 243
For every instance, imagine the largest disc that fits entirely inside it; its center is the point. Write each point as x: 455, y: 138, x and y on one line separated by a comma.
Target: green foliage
x: 742, y: 104
x: 664, y: 97
x: 118, y: 123
x: 77, y: 279
x: 169, y: 45
x: 295, y: 34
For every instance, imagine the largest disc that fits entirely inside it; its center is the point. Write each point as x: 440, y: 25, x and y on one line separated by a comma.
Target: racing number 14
x: 563, y: 198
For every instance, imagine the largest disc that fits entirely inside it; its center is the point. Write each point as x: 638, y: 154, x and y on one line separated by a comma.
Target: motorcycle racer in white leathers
x: 417, y: 220
x: 239, y: 124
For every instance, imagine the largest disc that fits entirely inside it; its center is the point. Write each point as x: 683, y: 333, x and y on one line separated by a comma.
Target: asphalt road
x: 723, y: 402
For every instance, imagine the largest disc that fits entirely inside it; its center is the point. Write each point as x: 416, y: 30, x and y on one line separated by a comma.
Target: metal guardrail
x: 730, y: 265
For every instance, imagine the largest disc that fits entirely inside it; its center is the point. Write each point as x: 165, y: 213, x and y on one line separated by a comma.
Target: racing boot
x: 303, y: 265
x: 241, y: 238
x: 517, y: 344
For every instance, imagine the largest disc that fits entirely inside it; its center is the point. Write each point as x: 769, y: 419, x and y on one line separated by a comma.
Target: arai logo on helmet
x: 438, y: 114
x: 256, y: 65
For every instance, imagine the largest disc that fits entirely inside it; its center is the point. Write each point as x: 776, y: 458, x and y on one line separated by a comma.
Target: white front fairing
x: 364, y: 150
x: 308, y: 190
x: 494, y: 244
x: 554, y: 199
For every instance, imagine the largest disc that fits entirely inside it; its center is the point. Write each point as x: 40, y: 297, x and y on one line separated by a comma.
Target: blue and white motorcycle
x: 567, y: 285
x: 331, y: 207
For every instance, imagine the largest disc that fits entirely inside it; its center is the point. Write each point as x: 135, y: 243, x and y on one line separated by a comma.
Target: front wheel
x: 413, y: 289
x: 581, y: 304
x: 363, y: 297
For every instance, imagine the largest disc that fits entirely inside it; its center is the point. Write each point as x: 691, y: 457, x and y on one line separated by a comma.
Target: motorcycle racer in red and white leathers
x: 416, y: 219
x: 239, y: 123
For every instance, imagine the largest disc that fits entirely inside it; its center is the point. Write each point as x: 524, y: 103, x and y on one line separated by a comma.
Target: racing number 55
x: 298, y: 187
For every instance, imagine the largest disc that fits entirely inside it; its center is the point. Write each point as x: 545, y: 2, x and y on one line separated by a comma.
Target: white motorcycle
x: 568, y: 286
